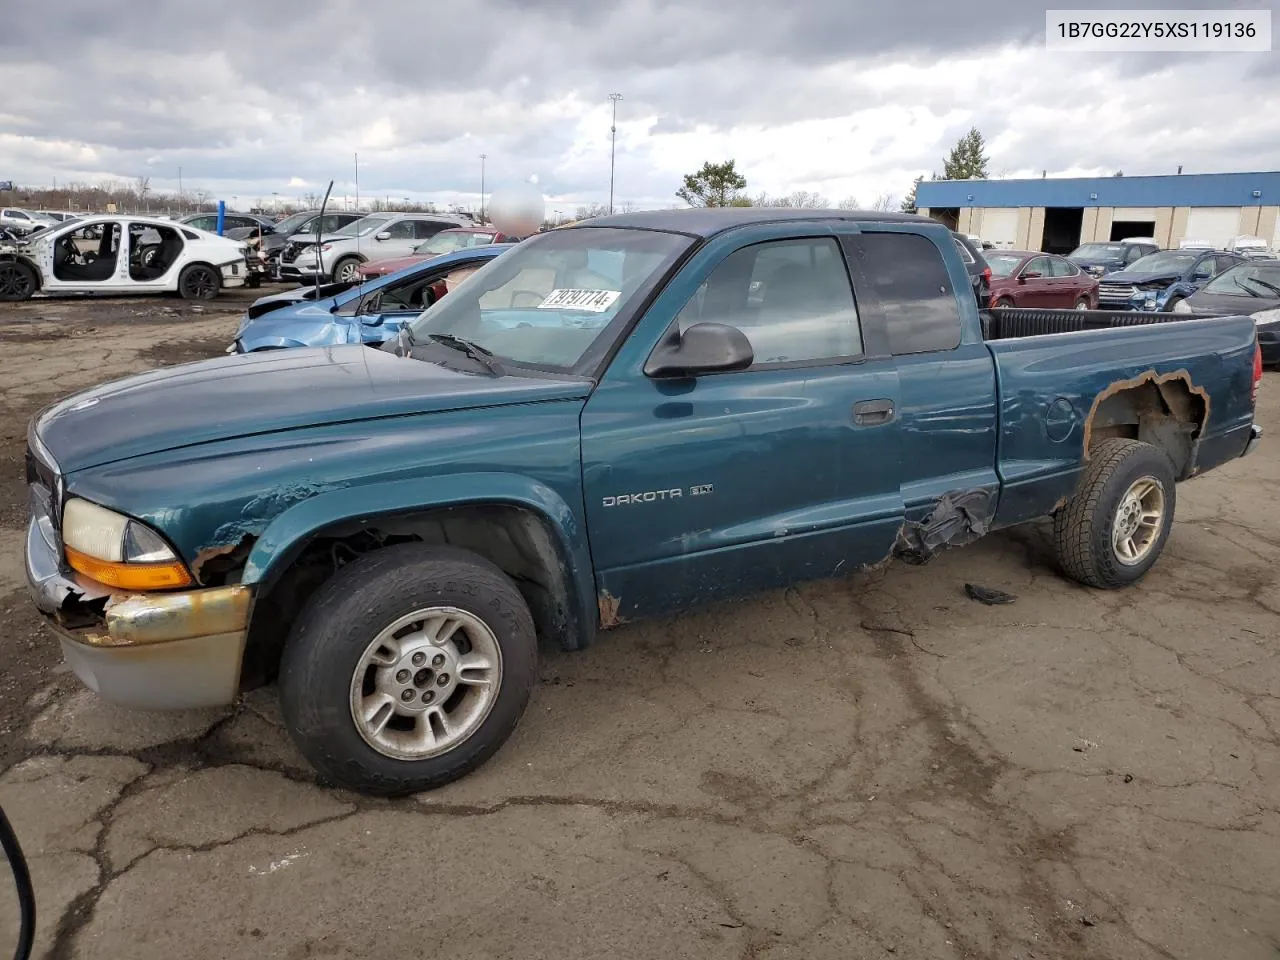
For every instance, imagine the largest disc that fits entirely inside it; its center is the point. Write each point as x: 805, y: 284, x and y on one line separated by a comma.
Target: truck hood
x: 268, y: 392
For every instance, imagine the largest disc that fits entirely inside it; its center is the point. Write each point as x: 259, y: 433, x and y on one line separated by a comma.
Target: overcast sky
x: 842, y: 97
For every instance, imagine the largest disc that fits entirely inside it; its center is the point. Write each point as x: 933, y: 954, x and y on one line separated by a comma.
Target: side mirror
x: 703, y: 348
x: 384, y: 235
x: 1030, y: 275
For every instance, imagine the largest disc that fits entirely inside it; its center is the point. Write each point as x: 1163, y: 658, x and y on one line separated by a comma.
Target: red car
x: 1024, y: 278
x: 446, y: 241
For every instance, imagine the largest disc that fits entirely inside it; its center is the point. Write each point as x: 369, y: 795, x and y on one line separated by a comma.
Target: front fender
x: 290, y: 530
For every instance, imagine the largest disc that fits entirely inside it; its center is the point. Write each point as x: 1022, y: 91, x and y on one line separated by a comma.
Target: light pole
x: 613, y: 143
x: 180, y: 205
x: 483, y: 158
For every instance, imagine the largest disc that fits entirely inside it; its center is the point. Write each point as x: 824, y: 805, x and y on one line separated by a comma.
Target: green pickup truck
x: 621, y: 419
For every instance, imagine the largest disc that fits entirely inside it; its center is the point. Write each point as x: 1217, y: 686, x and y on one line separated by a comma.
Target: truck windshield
x: 546, y: 302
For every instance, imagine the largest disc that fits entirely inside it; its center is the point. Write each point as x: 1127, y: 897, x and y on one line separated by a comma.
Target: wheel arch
x: 1167, y: 411
x: 28, y: 262
x: 520, y: 525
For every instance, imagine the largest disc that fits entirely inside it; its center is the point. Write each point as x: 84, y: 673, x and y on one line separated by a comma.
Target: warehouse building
x: 1057, y: 215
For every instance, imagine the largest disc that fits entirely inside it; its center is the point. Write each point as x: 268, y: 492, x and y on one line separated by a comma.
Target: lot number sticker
x: 593, y: 301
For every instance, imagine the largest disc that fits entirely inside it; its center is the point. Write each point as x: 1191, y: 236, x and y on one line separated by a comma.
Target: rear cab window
x: 908, y: 278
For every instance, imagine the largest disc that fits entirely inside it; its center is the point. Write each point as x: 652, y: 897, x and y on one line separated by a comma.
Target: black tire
x: 344, y: 616
x: 1171, y: 303
x: 1082, y: 303
x: 199, y: 282
x: 1004, y: 303
x: 1083, y: 529
x: 17, y: 281
x: 347, y: 263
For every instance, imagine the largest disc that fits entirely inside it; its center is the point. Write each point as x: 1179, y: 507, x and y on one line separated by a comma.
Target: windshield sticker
x: 594, y: 301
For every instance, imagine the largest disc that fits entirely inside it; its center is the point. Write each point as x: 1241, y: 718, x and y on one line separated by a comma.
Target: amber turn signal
x: 129, y: 576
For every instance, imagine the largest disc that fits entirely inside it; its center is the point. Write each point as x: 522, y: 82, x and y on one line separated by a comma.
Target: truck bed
x: 1007, y: 323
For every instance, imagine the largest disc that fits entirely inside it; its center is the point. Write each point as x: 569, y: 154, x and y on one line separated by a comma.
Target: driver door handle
x: 868, y: 413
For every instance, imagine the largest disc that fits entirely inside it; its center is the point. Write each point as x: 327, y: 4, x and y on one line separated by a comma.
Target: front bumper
x: 153, y: 651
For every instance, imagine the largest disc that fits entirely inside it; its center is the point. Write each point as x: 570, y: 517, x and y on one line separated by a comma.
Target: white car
x: 121, y: 254
x: 379, y: 236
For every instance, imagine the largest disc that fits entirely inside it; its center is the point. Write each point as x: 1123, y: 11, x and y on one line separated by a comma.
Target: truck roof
x: 708, y: 221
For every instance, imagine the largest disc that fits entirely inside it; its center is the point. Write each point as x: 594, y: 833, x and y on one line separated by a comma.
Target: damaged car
x: 121, y: 254
x: 624, y: 418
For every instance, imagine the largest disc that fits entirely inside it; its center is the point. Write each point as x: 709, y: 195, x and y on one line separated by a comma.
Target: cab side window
x: 910, y: 281
x: 791, y: 298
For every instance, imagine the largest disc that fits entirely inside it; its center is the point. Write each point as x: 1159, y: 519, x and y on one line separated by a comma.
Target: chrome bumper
x: 1255, y: 437
x: 153, y: 651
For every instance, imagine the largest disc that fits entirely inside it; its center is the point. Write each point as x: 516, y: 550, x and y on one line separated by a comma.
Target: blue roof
x: 1187, y: 190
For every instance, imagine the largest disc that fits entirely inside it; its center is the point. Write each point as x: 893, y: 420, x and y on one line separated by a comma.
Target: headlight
x: 1182, y: 307
x: 114, y: 550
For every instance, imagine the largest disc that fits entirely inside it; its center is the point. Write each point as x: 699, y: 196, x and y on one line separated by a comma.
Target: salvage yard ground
x: 870, y: 767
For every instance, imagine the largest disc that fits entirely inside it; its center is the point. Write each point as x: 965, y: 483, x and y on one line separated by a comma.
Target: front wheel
x: 347, y: 270
x: 1113, y: 530
x: 1171, y: 303
x: 1082, y: 303
x: 408, y: 669
x: 199, y: 282
x: 1003, y: 303
x: 17, y: 281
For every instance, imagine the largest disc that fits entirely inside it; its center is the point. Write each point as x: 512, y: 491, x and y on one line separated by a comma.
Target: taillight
x: 986, y: 274
x: 1257, y: 372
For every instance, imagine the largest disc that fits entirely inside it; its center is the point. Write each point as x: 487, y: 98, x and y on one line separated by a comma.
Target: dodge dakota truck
x: 615, y: 420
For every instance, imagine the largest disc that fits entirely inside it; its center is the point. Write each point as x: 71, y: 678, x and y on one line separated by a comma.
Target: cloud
x: 826, y: 95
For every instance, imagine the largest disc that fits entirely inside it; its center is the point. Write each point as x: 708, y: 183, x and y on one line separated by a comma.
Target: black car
x: 1097, y: 259
x: 1250, y: 288
x: 976, y: 265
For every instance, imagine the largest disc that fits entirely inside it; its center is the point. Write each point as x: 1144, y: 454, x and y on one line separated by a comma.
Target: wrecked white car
x: 121, y: 254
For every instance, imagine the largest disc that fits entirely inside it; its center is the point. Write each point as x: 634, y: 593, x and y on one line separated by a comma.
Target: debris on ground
x: 987, y: 595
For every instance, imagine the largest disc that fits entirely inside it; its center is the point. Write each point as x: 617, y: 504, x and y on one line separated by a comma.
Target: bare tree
x: 142, y: 186
x: 803, y: 199
x: 883, y: 203
x: 849, y: 203
x: 627, y: 207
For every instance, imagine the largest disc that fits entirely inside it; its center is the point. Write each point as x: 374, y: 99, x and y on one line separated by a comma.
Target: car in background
x: 121, y: 254
x: 1042, y: 281
x: 21, y: 222
x: 446, y: 241
x: 1160, y: 281
x: 297, y: 226
x: 61, y: 216
x: 1100, y: 258
x: 371, y: 312
x: 1250, y: 247
x: 378, y: 236
x: 209, y: 221
x: 976, y: 266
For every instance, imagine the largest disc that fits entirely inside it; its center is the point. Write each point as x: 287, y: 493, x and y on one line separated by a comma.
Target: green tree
x: 715, y: 185
x: 966, y: 160
x: 909, y: 201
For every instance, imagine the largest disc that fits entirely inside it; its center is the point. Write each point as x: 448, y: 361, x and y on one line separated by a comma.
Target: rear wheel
x: 17, y: 281
x: 199, y: 282
x: 408, y: 669
x: 1115, y: 527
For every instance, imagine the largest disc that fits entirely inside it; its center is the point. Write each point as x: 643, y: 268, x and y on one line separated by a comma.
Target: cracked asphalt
x: 869, y: 767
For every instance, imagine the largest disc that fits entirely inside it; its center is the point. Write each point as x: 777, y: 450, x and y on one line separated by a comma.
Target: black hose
x: 26, y: 893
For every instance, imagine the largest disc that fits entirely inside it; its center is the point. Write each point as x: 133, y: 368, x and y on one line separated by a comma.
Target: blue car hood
x: 1138, y: 279
x: 267, y: 392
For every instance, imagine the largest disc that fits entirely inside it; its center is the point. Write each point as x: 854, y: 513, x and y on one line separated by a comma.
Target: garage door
x: 1000, y: 226
x: 1213, y: 225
